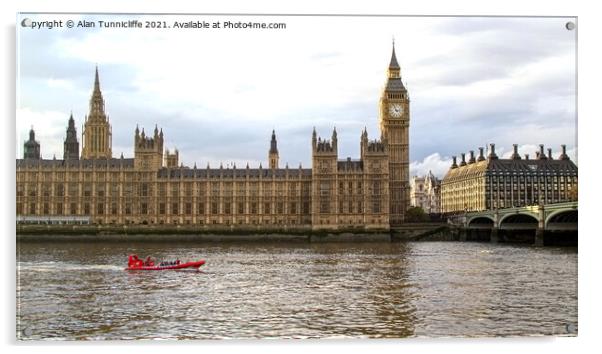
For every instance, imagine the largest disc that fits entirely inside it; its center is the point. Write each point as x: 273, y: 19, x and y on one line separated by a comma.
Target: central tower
x: 96, y: 135
x: 394, y: 117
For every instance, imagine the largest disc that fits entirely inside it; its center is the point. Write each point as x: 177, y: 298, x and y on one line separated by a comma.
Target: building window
x: 306, y: 208
x: 376, y: 207
x: 174, y: 208
x: 324, y: 207
x: 162, y: 208
x: 87, y: 190
x: 59, y: 208
x: 324, y: 188
x: 143, y: 208
x: 59, y: 190
x: 46, y: 189
x: 101, y: 209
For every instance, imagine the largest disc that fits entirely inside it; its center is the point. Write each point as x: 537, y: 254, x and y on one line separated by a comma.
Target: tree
x: 416, y: 214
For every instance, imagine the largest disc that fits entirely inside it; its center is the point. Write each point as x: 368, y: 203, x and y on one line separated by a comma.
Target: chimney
x: 563, y: 156
x: 515, y: 155
x: 454, y: 165
x: 481, y: 155
x: 542, y: 154
x: 492, y: 155
x: 526, y: 156
x: 463, y: 163
x: 550, y: 154
x: 472, y: 159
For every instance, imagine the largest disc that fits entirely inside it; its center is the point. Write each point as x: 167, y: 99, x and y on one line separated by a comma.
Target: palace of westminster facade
x: 151, y: 188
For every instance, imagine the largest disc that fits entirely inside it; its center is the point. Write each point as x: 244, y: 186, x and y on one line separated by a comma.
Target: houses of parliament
x: 153, y: 188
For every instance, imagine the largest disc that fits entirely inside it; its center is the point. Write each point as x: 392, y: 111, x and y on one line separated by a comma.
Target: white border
x: 588, y: 97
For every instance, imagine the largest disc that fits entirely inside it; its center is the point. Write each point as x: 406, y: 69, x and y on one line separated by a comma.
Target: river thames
x: 79, y: 291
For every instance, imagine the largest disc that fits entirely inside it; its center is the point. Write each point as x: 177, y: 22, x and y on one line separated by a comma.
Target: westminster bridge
x: 538, y: 224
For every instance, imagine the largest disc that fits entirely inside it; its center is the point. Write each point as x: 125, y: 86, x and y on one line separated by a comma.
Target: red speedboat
x: 134, y: 263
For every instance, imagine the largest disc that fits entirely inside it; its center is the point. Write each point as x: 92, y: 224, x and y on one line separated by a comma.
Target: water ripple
x: 378, y: 290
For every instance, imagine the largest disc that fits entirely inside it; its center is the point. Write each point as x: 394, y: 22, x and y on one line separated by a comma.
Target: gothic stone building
x: 150, y: 188
x: 494, y: 183
x: 425, y: 192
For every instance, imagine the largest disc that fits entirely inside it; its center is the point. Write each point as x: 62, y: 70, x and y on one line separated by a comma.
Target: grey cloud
x: 492, y: 48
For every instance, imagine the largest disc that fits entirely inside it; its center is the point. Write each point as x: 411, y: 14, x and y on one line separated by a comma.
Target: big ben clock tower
x: 394, y: 113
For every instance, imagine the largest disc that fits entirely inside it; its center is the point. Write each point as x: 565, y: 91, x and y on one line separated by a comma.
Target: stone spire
x: 97, y: 81
x: 96, y: 135
x: 273, y: 143
x: 31, y: 148
x: 71, y: 145
x: 273, y: 156
x: 97, y: 104
x: 334, y: 138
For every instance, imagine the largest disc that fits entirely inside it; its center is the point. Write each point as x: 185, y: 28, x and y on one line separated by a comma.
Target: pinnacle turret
x: 273, y: 143
x: 71, y: 145
x: 273, y: 153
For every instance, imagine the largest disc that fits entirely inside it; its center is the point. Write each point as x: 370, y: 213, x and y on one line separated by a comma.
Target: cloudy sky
x: 218, y: 93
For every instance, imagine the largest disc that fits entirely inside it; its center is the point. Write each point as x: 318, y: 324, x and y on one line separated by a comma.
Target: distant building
x: 493, y: 183
x: 425, y: 192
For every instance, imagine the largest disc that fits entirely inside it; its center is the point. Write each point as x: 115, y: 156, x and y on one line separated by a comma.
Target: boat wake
x: 63, y: 267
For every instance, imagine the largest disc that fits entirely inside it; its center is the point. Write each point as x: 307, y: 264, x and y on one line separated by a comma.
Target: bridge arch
x: 564, y: 215
x: 514, y: 217
x: 518, y: 218
x: 562, y: 220
x: 481, y: 219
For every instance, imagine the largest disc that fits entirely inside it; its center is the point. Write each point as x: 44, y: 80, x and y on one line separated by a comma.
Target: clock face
x: 395, y: 110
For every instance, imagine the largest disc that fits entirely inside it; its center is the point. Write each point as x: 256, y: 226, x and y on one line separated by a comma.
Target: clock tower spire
x: 394, y: 117
x: 394, y: 69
